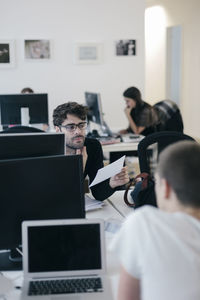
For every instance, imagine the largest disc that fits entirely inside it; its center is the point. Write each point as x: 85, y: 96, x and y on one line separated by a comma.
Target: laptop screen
x: 70, y: 247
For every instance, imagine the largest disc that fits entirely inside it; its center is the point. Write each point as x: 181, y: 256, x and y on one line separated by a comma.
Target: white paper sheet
x: 92, y: 204
x: 108, y: 171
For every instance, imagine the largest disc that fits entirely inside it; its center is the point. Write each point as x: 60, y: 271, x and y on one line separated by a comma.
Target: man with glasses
x: 71, y: 119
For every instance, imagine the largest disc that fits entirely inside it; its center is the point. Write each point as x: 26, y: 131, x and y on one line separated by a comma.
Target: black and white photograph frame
x: 7, y: 53
x: 88, y: 53
x: 37, y: 49
x: 125, y: 47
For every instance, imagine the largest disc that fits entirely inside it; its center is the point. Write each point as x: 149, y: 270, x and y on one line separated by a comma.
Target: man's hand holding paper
x: 115, y: 171
x: 119, y: 179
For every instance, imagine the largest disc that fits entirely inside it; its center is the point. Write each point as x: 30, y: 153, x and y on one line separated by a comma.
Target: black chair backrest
x: 21, y: 129
x: 169, y: 115
x: 163, y: 139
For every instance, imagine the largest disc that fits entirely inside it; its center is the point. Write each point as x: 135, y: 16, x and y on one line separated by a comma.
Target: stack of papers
x: 91, y: 203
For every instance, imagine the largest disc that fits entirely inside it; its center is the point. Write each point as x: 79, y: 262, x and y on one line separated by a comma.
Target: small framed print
x: 7, y: 54
x: 88, y: 53
x: 125, y: 47
x: 37, y: 49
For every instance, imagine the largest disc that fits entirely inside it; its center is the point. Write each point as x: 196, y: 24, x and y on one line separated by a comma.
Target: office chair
x: 169, y: 115
x: 21, y: 129
x: 162, y: 139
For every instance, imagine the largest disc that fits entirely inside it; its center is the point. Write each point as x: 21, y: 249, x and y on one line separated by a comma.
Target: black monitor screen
x: 11, y: 105
x: 31, y: 145
x: 93, y: 102
x: 37, y: 189
x: 80, y: 243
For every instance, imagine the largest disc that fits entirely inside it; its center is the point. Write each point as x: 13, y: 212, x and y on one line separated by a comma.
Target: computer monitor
x: 95, y: 114
x: 21, y: 145
x: 24, y: 109
x: 37, y: 189
x: 93, y: 101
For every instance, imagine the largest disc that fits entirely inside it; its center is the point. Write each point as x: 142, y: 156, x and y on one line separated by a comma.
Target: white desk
x: 106, y: 212
x: 120, y: 147
x: 130, y: 143
x: 114, y: 210
x: 117, y: 201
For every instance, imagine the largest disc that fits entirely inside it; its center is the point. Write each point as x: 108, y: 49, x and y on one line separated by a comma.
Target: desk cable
x: 19, y: 251
x: 114, y: 206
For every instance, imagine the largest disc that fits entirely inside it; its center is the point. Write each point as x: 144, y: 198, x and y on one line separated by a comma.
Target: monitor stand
x: 106, y: 130
x: 103, y: 132
x: 25, y: 116
x: 10, y: 260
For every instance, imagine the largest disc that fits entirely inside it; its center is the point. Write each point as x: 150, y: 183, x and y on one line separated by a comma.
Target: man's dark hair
x: 72, y: 108
x: 179, y: 164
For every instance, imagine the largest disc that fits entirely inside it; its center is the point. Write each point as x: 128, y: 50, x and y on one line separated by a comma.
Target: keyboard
x: 132, y: 138
x: 65, y: 286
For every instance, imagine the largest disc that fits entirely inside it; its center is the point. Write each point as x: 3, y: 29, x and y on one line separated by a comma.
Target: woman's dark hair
x: 134, y: 93
x: 72, y: 108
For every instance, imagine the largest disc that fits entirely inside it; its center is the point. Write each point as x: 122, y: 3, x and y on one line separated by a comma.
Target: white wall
x: 155, y: 36
x: 65, y: 22
x: 185, y: 13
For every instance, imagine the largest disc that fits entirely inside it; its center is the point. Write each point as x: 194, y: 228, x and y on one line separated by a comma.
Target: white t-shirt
x: 162, y: 250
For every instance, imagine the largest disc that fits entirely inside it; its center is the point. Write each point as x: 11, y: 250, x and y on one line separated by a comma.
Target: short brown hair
x: 27, y: 90
x: 72, y: 108
x: 179, y: 164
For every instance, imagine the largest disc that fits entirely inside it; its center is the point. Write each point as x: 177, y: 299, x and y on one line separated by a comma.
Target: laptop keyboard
x: 65, y: 286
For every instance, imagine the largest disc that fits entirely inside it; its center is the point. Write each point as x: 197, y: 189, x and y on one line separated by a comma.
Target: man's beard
x: 71, y: 145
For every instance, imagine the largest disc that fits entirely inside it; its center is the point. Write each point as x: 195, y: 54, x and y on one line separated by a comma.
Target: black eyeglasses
x: 72, y: 127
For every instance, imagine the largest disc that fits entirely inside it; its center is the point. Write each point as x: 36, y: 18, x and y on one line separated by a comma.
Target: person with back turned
x: 159, y: 249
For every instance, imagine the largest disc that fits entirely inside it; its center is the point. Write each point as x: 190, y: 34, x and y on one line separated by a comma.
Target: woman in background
x: 141, y: 116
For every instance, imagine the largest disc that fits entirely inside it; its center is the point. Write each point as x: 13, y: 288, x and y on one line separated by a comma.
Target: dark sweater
x: 94, y: 162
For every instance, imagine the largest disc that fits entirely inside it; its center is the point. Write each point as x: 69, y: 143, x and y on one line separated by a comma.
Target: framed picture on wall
x: 125, y: 47
x: 88, y: 53
x: 37, y: 49
x: 7, y: 54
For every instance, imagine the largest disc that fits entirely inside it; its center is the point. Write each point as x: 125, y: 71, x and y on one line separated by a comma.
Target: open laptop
x: 64, y: 259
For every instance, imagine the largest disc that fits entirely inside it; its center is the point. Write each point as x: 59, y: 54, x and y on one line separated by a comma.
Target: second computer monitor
x: 31, y: 145
x: 14, y: 107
